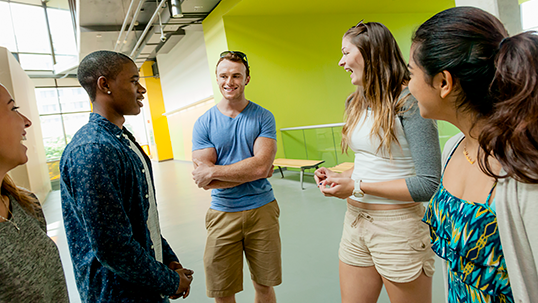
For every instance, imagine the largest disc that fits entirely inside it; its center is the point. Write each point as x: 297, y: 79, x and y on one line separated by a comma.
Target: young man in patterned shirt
x: 108, y: 196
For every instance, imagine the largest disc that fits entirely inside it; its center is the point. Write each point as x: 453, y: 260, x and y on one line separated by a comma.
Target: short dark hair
x: 234, y: 58
x: 100, y: 63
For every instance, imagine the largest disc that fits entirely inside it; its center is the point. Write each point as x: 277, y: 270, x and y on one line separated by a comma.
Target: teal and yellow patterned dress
x: 465, y: 234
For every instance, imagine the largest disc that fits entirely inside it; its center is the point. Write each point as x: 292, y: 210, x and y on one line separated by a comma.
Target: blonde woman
x: 30, y: 266
x: 397, y: 164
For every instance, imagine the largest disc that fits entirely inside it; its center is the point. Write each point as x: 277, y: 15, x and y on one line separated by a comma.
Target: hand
x: 202, y: 174
x: 338, y: 187
x: 174, y: 265
x: 185, y: 279
x: 323, y: 173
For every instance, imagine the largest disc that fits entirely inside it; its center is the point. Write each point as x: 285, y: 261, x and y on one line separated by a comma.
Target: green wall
x: 294, y: 55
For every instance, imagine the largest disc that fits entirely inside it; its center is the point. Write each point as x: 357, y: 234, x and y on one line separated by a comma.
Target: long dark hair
x: 384, y: 73
x: 496, y: 80
x: 511, y: 134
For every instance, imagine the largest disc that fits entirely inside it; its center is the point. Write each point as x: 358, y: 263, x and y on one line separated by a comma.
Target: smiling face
x: 126, y: 92
x: 428, y: 97
x: 12, y: 133
x: 352, y: 61
x: 232, y: 79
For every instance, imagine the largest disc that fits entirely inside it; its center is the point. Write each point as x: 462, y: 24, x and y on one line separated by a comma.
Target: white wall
x: 506, y: 10
x: 33, y: 175
x: 529, y: 11
x: 184, y: 72
x: 185, y: 80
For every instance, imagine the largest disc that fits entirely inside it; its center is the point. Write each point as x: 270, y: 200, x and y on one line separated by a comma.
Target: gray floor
x: 311, y: 226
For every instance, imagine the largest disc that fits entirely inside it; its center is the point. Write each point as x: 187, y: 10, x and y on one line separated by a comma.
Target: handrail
x: 313, y: 126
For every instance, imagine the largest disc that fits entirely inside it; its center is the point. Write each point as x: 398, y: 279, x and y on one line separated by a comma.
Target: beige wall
x: 186, y: 84
x: 34, y: 174
x: 181, y: 125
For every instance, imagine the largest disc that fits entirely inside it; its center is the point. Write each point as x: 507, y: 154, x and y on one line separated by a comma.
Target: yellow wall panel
x: 154, y: 98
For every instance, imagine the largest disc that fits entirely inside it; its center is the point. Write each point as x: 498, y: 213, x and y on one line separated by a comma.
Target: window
x: 63, y: 111
x: 25, y: 33
x: 7, y: 35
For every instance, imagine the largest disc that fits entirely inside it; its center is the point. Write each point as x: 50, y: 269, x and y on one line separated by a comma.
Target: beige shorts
x: 256, y: 232
x: 396, y: 242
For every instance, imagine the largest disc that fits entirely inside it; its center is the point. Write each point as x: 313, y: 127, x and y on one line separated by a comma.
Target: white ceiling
x: 101, y: 21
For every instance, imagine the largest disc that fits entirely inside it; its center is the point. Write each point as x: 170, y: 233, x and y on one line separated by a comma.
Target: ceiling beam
x: 108, y: 28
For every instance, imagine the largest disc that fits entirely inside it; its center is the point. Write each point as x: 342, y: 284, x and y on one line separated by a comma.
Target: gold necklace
x: 8, y: 213
x: 466, y: 154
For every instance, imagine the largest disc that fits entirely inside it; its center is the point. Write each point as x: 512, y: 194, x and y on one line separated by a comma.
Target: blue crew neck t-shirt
x: 233, y: 139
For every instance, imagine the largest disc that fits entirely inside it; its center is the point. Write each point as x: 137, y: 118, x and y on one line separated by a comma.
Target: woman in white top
x: 397, y: 163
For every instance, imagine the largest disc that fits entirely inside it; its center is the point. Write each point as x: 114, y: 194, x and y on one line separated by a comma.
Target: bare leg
x: 419, y: 290
x: 359, y: 284
x: 230, y: 299
x: 264, y: 294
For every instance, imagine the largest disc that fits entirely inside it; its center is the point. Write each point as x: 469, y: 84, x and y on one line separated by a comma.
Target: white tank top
x: 372, y: 166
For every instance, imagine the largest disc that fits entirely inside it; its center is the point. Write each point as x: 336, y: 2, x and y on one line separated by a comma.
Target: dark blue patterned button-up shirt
x: 105, y: 210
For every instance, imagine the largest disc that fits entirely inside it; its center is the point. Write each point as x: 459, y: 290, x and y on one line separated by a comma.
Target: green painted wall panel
x: 446, y: 131
x: 294, y: 62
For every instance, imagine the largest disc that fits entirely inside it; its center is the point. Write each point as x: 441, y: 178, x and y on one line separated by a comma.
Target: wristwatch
x: 357, y: 192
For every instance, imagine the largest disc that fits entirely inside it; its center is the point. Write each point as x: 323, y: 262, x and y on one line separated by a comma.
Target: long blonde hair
x: 25, y: 198
x: 384, y: 74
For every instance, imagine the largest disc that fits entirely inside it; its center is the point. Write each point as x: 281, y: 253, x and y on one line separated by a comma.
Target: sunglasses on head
x: 358, y: 24
x: 239, y: 54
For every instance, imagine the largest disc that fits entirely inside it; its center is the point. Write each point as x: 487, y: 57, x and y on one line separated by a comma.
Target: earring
x: 109, y: 92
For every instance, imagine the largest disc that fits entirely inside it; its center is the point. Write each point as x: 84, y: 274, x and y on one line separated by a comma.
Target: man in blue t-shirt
x: 234, y: 145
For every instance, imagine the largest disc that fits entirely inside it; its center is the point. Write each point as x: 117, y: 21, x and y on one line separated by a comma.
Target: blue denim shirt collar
x: 111, y: 127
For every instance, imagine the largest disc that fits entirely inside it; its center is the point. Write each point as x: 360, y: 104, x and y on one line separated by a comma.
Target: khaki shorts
x: 256, y: 232
x: 396, y: 242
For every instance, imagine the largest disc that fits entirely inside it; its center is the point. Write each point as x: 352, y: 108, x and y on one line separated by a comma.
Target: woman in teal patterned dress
x: 465, y: 234
x: 466, y: 70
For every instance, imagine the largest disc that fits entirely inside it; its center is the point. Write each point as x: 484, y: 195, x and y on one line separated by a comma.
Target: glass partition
x: 322, y: 142
x: 318, y: 142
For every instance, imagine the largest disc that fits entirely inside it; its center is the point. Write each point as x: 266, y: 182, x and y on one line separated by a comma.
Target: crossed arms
x: 207, y: 175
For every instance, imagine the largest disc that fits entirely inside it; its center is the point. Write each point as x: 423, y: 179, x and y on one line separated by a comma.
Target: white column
x: 34, y: 175
x: 506, y: 10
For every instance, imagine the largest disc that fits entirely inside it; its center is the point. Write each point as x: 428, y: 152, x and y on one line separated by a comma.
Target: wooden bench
x: 342, y: 167
x: 295, y: 163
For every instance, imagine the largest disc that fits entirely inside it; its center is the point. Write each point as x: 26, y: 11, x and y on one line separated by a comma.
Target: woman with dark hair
x: 466, y: 70
x: 397, y: 161
x: 30, y: 266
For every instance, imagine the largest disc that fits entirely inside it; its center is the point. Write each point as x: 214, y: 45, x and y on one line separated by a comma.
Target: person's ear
x: 248, y: 80
x: 444, y: 83
x: 103, y: 85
